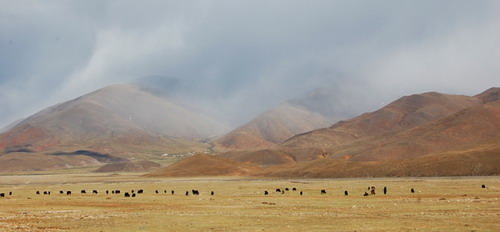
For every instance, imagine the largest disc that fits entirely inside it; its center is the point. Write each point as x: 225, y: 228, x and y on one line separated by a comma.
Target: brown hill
x: 460, y: 131
x: 271, y: 127
x: 429, y: 134
x: 205, y: 165
x: 402, y: 114
x: 489, y: 96
x: 22, y: 161
x: 318, y: 108
x: 120, y: 120
x: 128, y: 166
x: 264, y: 157
x: 119, y: 109
x: 121, y: 113
x: 466, y: 142
x: 481, y: 161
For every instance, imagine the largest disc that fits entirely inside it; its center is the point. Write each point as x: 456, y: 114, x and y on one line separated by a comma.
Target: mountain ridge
x: 121, y: 120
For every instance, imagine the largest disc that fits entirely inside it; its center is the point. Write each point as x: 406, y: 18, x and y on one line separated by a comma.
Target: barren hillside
x: 205, y: 165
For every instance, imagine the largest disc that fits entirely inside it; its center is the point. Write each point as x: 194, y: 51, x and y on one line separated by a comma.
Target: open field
x: 438, y: 204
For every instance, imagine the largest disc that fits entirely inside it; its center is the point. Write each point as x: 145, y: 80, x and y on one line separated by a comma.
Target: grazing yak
x: 346, y: 193
x: 212, y: 193
x: 385, y: 190
x: 94, y: 191
x: 266, y: 193
x: 173, y: 192
x: 483, y: 186
x: 323, y: 191
x: 126, y: 194
x: 2, y: 195
x: 68, y: 192
x: 412, y: 190
x: 195, y: 192
x: 301, y: 193
x: 83, y: 192
x: 294, y: 189
x: 140, y: 191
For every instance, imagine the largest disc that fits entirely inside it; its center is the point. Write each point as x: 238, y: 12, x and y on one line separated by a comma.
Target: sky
x: 240, y: 58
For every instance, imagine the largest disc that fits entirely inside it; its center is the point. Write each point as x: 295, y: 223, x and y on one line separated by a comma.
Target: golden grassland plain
x: 239, y: 204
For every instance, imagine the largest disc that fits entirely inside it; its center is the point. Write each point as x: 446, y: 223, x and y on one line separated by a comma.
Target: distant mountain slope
x: 335, y: 103
x: 22, y: 161
x: 262, y: 157
x: 128, y: 166
x: 319, y: 108
x: 491, y: 95
x: 404, y: 113
x: 273, y: 126
x: 120, y: 108
x: 428, y: 134
x: 481, y: 162
x: 11, y: 125
x: 119, y: 120
x: 205, y: 165
x: 473, y: 127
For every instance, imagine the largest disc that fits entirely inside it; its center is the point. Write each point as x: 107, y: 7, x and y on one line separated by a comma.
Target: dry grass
x: 439, y: 204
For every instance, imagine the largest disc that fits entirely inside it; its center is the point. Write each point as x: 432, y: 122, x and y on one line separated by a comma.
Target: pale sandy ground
x: 439, y: 204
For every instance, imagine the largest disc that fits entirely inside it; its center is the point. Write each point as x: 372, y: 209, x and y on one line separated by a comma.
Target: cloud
x: 460, y: 61
x: 241, y: 58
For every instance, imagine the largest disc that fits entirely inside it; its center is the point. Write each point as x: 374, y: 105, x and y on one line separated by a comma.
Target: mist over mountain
x: 404, y: 113
x: 119, y: 121
x: 335, y: 103
x: 316, y: 109
x: 218, y: 54
x: 119, y: 108
x: 422, y: 134
x: 299, y: 80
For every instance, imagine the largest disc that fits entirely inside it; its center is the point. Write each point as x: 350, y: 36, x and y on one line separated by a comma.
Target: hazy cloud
x: 241, y: 57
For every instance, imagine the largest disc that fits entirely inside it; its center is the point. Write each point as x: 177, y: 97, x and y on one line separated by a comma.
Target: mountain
x: 491, y: 96
x: 262, y: 157
x: 10, y: 125
x: 467, y: 129
x: 129, y: 166
x: 403, y: 114
x: 272, y: 127
x: 317, y: 109
x: 429, y: 134
x: 482, y: 162
x: 27, y: 161
x: 119, y: 120
x: 205, y: 165
x: 335, y: 103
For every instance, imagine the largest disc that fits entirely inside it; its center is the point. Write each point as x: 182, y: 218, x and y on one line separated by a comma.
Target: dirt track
x: 439, y: 204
